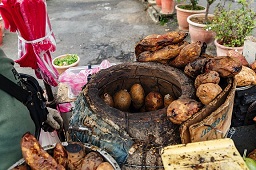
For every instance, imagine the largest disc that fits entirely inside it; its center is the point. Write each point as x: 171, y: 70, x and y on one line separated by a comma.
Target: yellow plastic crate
x: 220, y: 154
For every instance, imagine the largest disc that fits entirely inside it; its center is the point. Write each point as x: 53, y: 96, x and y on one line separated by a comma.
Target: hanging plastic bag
x: 48, y: 138
x: 36, y: 40
x: 77, y: 77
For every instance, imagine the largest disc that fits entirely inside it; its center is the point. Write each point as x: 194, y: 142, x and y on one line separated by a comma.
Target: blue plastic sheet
x: 86, y: 126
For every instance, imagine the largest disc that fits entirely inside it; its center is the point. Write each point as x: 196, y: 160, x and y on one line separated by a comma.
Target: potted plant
x: 184, y: 10
x: 197, y: 25
x: 232, y: 25
x: 158, y: 3
x: 63, y: 62
x: 167, y: 6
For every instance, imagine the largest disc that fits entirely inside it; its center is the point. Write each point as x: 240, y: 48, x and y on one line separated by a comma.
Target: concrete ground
x: 95, y: 30
x: 98, y: 29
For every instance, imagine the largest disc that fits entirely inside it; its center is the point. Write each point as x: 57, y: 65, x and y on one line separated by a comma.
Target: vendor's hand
x: 54, y: 119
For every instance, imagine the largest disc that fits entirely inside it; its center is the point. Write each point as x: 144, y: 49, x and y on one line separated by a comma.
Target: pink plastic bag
x: 77, y: 77
x: 64, y: 107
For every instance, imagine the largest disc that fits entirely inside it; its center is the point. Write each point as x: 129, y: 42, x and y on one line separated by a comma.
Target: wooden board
x: 220, y: 154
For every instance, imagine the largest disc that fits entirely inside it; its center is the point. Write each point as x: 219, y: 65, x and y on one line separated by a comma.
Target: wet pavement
x: 98, y: 29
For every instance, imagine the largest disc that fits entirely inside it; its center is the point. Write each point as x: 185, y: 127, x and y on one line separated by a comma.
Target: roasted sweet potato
x: 105, y: 166
x: 238, y: 56
x: 108, y: 99
x: 175, y: 36
x: 168, y: 99
x: 246, y: 77
x: 253, y: 66
x: 207, y: 92
x: 155, y: 42
x: 91, y: 161
x: 154, y: 101
x: 209, y: 77
x: 252, y: 155
x: 166, y: 53
x: 21, y: 167
x: 188, y: 54
x: 138, y: 95
x: 35, y: 156
x: 182, y: 109
x: 122, y: 100
x: 226, y: 66
x: 196, y: 67
x: 60, y: 155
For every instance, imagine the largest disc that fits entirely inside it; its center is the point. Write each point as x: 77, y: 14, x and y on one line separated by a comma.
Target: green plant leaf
x: 233, y: 25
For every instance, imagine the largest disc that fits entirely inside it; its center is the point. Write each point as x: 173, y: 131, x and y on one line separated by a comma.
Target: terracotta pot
x: 158, y: 3
x: 182, y: 15
x: 197, y: 31
x: 222, y: 50
x: 61, y: 69
x: 167, y: 6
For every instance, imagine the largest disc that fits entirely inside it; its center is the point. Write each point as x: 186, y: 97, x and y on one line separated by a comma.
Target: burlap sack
x: 214, y: 120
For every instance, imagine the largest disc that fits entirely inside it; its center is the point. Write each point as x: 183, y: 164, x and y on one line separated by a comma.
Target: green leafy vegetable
x: 251, y: 163
x: 67, y: 60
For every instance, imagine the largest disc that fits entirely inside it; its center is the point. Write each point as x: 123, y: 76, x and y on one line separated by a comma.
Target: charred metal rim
x: 243, y: 87
x: 134, y: 70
